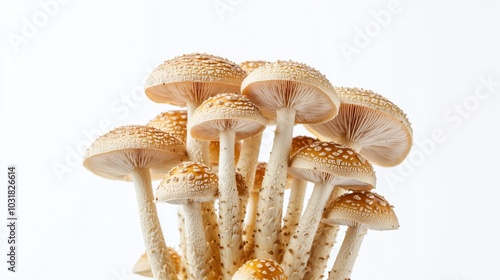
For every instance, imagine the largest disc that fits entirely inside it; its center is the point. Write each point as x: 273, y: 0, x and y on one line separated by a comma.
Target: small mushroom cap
x: 298, y: 142
x: 142, y: 266
x: 173, y: 122
x: 378, y: 126
x: 188, y: 181
x: 250, y: 65
x: 214, y: 152
x: 226, y: 111
x: 362, y: 207
x: 332, y: 162
x: 193, y: 77
x: 258, y: 269
x: 117, y: 153
x: 288, y: 84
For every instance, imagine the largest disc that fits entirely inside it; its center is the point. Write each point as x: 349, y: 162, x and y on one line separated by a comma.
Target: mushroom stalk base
x: 156, y: 248
x: 297, y: 253
x: 344, y: 263
x: 270, y: 205
x: 196, y: 242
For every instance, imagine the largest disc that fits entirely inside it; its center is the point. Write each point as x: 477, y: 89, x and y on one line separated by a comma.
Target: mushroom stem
x: 196, y: 242
x: 270, y: 205
x: 212, y: 237
x: 182, y: 240
x: 294, y: 209
x: 250, y: 225
x: 197, y: 150
x: 344, y: 263
x: 156, y: 248
x: 297, y: 253
x: 229, y: 223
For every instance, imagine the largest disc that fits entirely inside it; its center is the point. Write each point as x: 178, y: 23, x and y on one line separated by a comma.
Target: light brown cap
x: 226, y: 111
x: 173, y: 122
x: 214, y: 152
x: 288, y: 84
x: 366, y: 208
x: 250, y: 65
x: 258, y: 269
x: 379, y: 127
x: 299, y: 142
x: 143, y: 268
x: 193, y: 77
x: 117, y: 153
x: 188, y: 181
x: 332, y: 162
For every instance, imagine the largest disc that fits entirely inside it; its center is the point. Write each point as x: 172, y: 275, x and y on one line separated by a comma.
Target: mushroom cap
x: 188, y: 182
x: 294, y: 85
x: 257, y: 269
x: 329, y: 162
x: 193, y: 77
x: 250, y: 65
x: 117, y: 153
x: 226, y: 111
x: 214, y: 152
x: 359, y: 207
x: 174, y: 122
x: 298, y: 142
x: 143, y: 268
x: 377, y: 125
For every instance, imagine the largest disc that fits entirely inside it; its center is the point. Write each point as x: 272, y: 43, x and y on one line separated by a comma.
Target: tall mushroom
x: 228, y: 117
x: 290, y: 93
x: 359, y: 211
x: 328, y: 165
x: 370, y: 124
x: 128, y: 153
x: 189, y: 184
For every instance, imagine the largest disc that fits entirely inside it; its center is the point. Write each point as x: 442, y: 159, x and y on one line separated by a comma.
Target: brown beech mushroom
x: 297, y: 193
x: 360, y: 211
x: 258, y: 269
x: 370, y: 124
x: 128, y: 153
x: 289, y: 93
x: 327, y: 165
x: 190, y: 79
x: 188, y: 184
x: 227, y: 117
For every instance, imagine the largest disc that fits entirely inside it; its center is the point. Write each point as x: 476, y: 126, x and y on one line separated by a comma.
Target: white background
x: 73, y: 70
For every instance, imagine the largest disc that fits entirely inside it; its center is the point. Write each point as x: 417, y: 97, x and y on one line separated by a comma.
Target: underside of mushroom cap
x: 117, y: 153
x: 375, y: 124
x: 362, y: 208
x: 292, y: 85
x: 193, y: 77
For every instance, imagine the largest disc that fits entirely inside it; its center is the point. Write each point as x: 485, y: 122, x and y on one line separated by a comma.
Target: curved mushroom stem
x: 229, y: 223
x: 344, y: 263
x: 196, y: 242
x: 294, y: 209
x: 156, y: 248
x: 297, y: 253
x: 270, y: 205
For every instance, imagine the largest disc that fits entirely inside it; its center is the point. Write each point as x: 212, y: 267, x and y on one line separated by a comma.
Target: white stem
x: 156, y: 248
x: 229, y: 223
x: 297, y: 253
x: 196, y: 242
x: 212, y: 236
x: 250, y: 225
x: 270, y: 205
x: 294, y: 209
x: 344, y: 263
x: 182, y: 240
x: 197, y: 150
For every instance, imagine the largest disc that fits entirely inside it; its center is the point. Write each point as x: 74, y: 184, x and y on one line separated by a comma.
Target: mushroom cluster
x: 234, y: 219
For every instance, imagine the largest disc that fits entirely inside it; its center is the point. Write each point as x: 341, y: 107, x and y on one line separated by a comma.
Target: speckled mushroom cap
x: 293, y: 85
x: 206, y: 75
x: 378, y: 126
x: 143, y: 268
x: 117, y: 153
x: 188, y: 181
x: 258, y: 269
x: 224, y: 111
x: 298, y: 142
x: 214, y: 152
x: 173, y: 122
x: 332, y: 162
x: 250, y: 65
x: 366, y: 208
